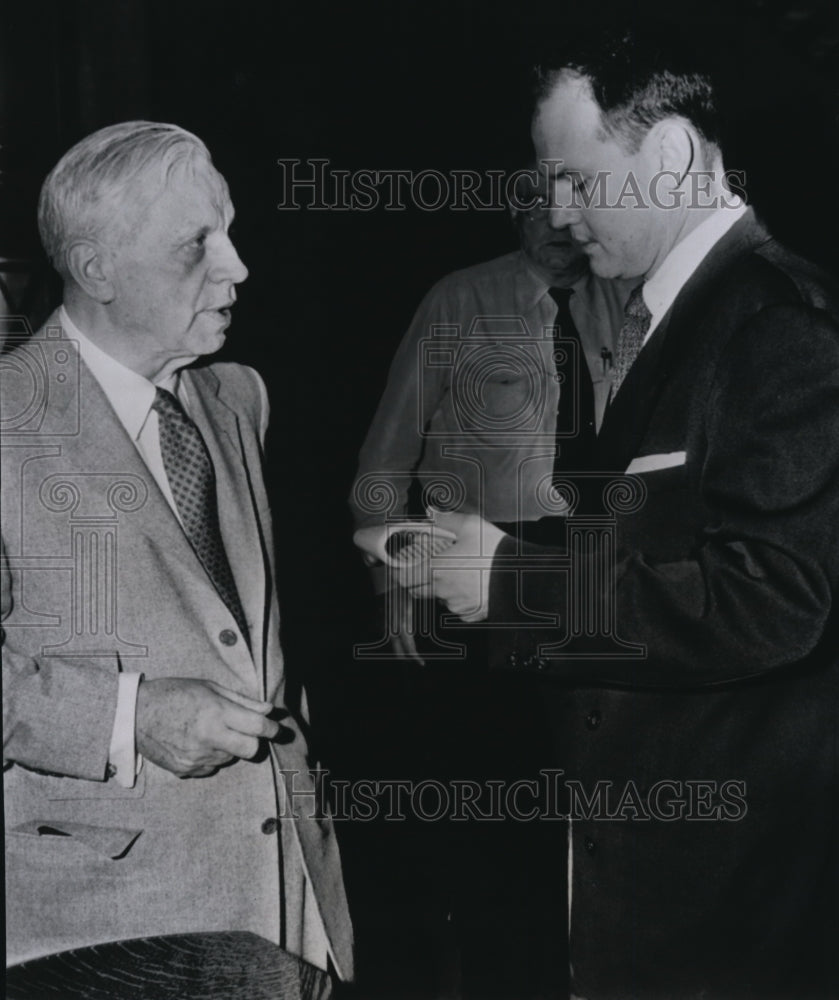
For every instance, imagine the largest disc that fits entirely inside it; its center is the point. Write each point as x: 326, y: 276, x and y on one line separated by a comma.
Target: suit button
x: 540, y: 663
x: 593, y: 719
x: 513, y: 659
x: 227, y: 637
x: 589, y: 845
x: 270, y: 825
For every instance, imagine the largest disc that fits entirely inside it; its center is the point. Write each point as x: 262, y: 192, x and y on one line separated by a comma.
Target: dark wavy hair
x: 639, y: 78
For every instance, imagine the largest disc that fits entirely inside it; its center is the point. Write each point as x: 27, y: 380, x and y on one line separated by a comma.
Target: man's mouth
x: 223, y: 310
x: 564, y: 246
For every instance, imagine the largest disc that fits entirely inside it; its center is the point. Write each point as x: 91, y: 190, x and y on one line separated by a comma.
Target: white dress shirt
x: 676, y: 269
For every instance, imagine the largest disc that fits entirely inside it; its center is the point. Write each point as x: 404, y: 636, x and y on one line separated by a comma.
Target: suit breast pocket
x: 665, y: 480
x: 665, y: 525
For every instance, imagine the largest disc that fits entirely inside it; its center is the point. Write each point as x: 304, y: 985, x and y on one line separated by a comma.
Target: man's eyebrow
x: 556, y: 173
x: 551, y: 168
x: 189, y: 230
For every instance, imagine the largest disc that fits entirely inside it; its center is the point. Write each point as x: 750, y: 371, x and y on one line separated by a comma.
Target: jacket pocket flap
x: 110, y: 841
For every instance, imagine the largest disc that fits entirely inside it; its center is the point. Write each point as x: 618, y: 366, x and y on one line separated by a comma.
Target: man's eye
x: 198, y: 241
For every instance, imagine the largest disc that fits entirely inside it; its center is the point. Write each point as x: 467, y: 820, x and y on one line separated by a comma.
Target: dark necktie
x: 192, y: 480
x: 576, y: 433
x: 636, y: 322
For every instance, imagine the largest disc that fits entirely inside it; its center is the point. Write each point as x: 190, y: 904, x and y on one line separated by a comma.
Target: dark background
x: 408, y: 86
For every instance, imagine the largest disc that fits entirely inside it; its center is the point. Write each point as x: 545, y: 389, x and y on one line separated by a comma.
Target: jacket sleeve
x: 755, y: 592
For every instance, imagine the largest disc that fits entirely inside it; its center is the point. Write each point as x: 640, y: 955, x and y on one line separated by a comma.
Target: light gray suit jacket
x: 103, y: 579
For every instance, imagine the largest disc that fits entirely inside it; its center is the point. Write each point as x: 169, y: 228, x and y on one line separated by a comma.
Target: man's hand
x: 193, y: 727
x: 459, y: 576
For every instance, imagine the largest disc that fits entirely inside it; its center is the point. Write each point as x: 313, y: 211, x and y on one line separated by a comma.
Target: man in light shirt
x: 471, y: 401
x: 691, y: 658
x: 145, y: 727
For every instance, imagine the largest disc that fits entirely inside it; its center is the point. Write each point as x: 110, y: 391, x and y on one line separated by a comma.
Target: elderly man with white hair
x: 156, y: 781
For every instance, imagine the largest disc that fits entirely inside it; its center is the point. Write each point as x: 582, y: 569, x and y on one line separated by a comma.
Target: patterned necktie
x: 192, y: 480
x: 575, y: 428
x: 636, y: 322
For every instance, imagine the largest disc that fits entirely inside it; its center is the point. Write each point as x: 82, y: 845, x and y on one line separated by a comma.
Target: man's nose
x: 562, y: 218
x: 228, y: 264
x: 564, y: 209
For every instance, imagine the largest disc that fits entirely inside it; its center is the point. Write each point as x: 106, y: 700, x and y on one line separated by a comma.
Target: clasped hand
x: 459, y: 576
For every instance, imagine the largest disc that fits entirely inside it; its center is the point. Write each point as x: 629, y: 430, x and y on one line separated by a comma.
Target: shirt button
x: 593, y: 719
x: 227, y: 637
x: 269, y: 825
x: 589, y: 845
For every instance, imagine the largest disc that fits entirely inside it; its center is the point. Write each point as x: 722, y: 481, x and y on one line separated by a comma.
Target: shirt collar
x: 130, y: 394
x: 661, y: 289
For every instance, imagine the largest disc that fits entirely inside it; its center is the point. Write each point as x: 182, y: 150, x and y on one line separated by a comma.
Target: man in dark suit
x: 684, y: 617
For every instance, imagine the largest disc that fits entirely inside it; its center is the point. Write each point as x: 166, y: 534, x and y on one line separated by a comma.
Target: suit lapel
x: 219, y: 426
x: 628, y: 417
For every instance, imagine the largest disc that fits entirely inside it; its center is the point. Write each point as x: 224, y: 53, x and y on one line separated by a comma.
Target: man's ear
x: 90, y: 267
x: 675, y: 147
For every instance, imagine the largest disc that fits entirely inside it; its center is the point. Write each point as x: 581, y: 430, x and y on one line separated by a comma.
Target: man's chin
x: 566, y: 260
x: 602, y: 264
x: 213, y: 334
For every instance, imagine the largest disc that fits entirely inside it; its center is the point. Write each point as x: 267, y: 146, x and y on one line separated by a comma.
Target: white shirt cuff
x: 124, y: 762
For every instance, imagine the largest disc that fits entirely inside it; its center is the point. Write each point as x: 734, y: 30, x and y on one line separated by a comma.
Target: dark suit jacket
x: 727, y: 575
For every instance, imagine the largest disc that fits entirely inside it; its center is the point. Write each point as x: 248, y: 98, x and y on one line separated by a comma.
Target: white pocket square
x: 652, y: 463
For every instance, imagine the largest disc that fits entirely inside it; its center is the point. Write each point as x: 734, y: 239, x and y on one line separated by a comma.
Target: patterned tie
x: 576, y: 393
x: 636, y: 322
x: 192, y: 480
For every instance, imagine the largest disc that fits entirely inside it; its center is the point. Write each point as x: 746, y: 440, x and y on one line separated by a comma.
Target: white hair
x: 85, y: 194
